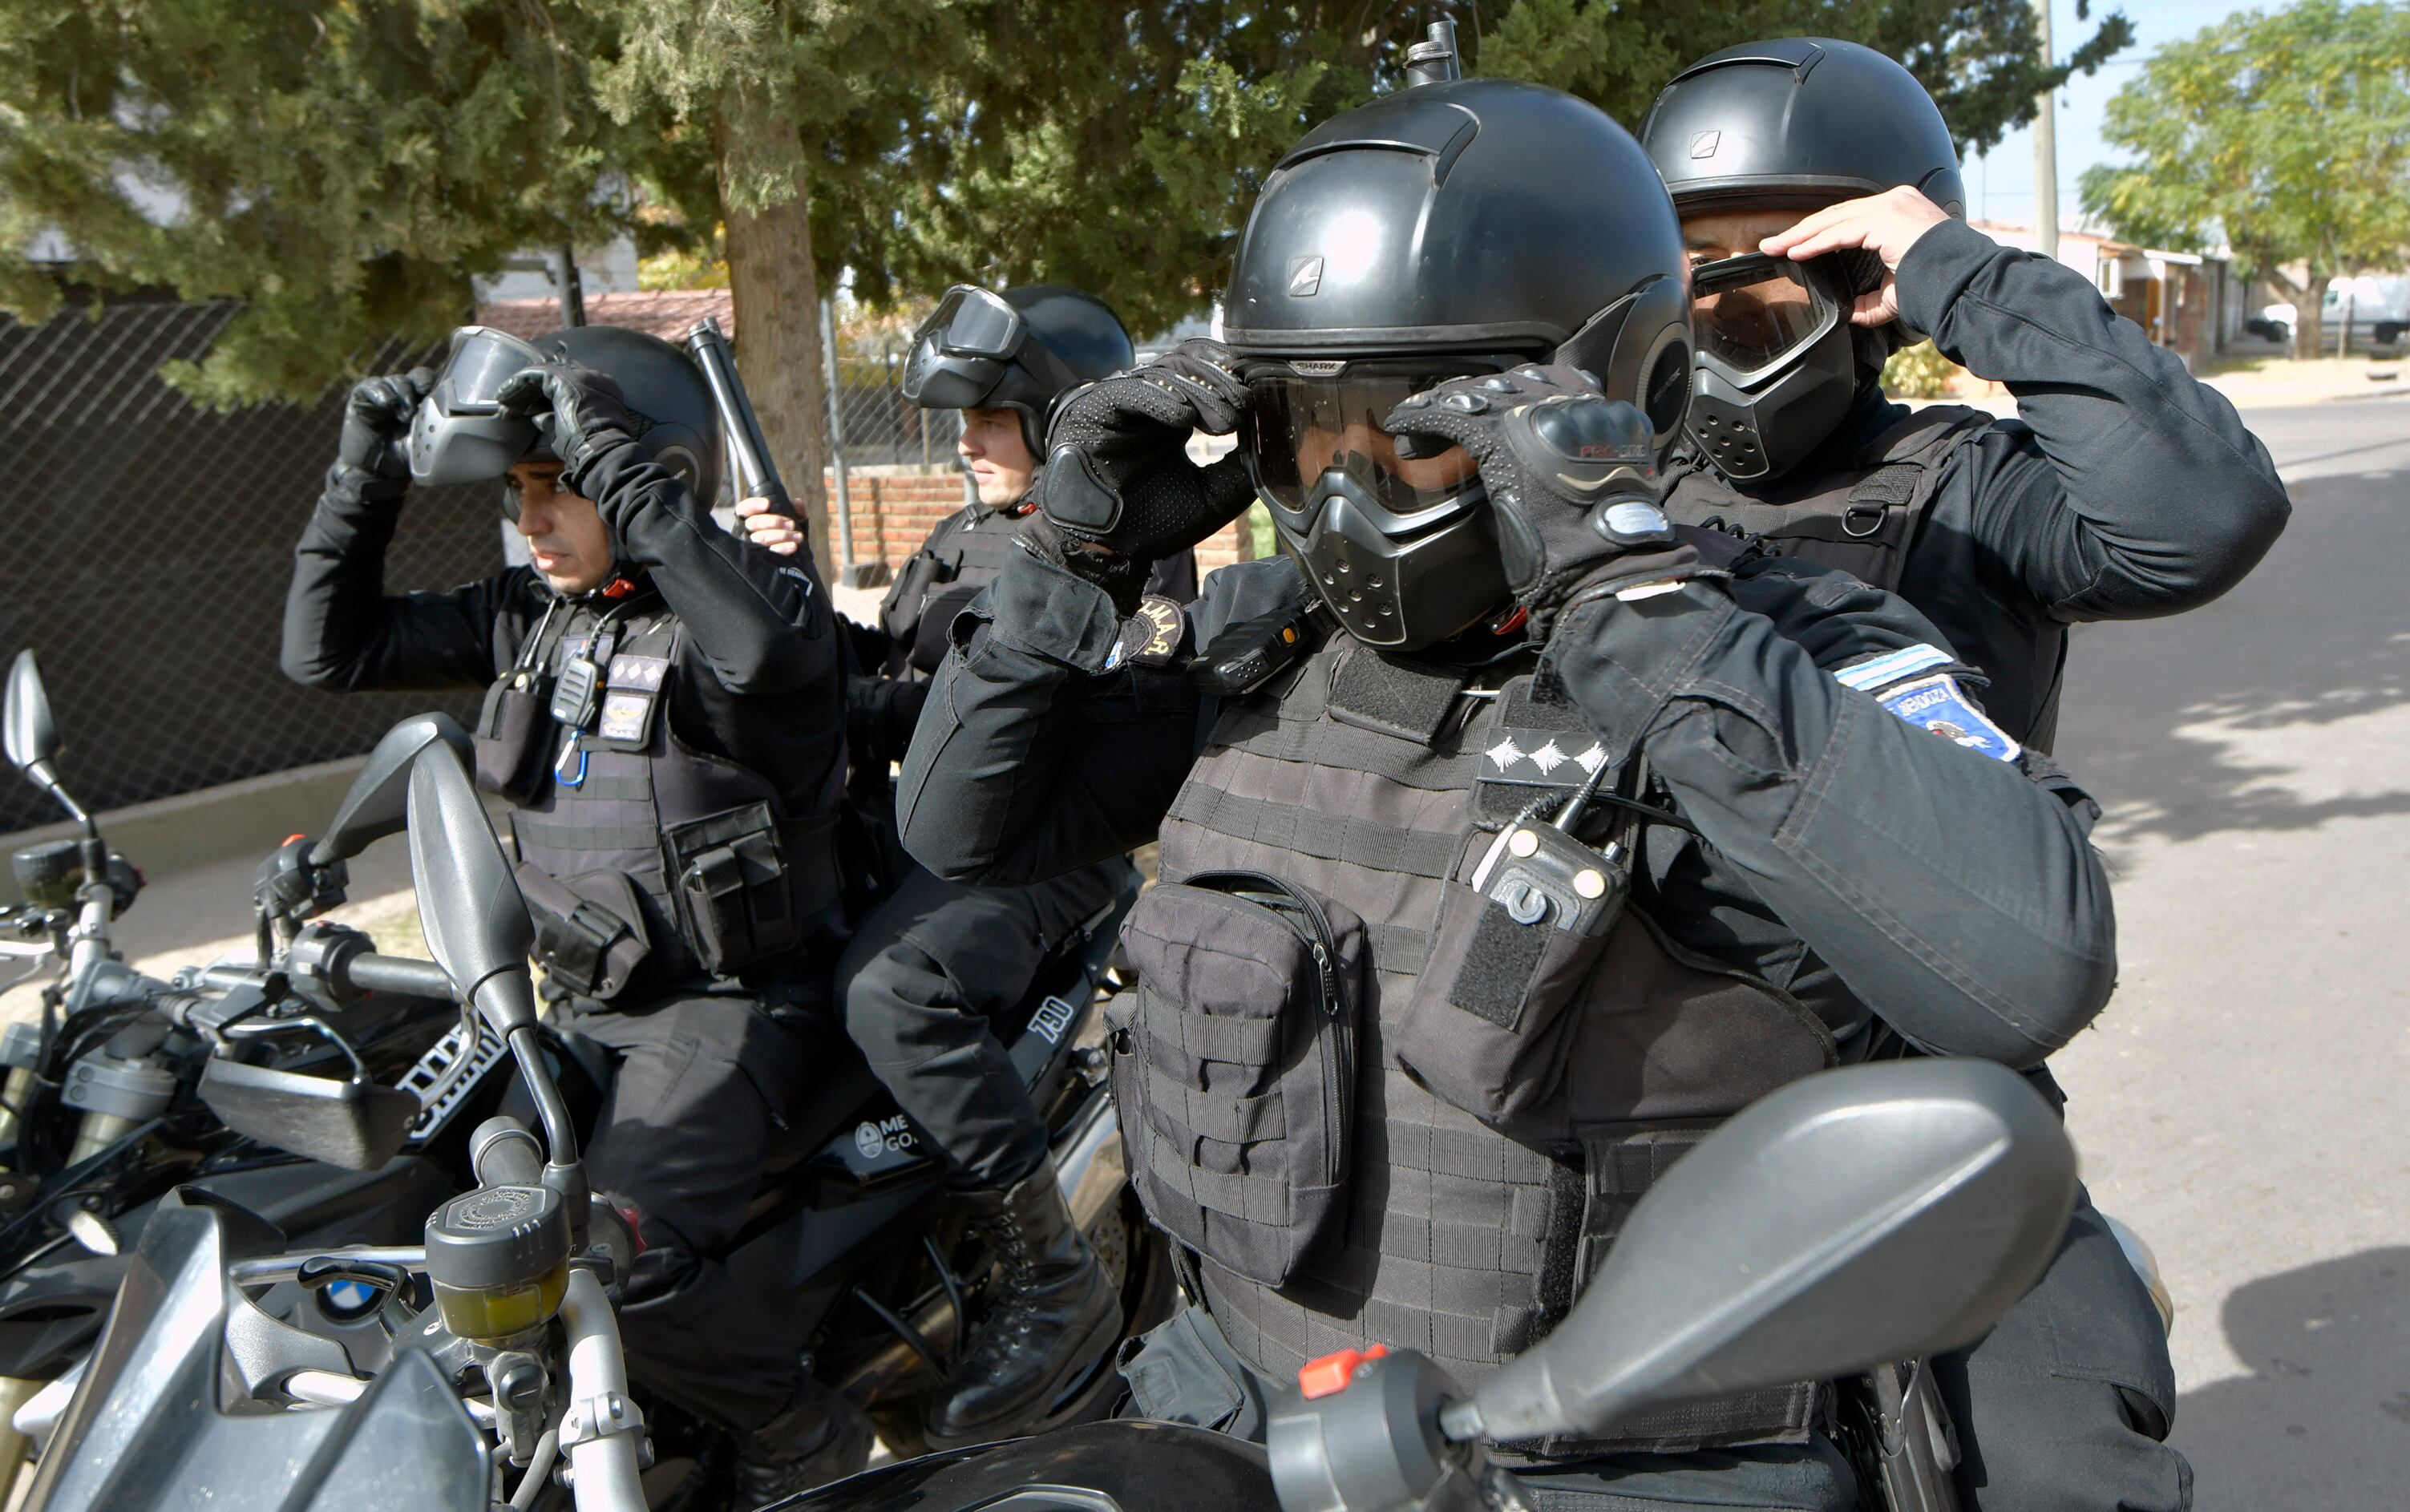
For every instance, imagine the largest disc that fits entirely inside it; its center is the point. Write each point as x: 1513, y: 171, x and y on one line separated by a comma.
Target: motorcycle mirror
x: 376, y: 804
x: 358, y: 1126
x: 1878, y: 1213
x: 468, y: 904
x: 32, y: 734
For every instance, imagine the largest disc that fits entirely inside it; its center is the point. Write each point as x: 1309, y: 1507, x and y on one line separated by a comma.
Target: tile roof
x: 668, y: 313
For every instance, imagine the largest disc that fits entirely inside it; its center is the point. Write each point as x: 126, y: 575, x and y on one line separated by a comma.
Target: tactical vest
x: 1863, y: 521
x: 647, y: 863
x: 966, y: 551
x: 1370, y: 781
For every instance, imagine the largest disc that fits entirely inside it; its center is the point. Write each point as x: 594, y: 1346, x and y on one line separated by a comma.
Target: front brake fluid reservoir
x: 498, y: 1258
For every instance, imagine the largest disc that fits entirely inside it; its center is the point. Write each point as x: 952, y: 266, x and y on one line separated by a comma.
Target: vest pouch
x: 1234, y: 1064
x: 510, y: 744
x: 747, y: 884
x: 900, y: 611
x: 589, y: 929
x: 1488, y: 1025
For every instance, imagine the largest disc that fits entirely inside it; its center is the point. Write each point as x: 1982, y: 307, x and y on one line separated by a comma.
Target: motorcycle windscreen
x: 133, y: 1440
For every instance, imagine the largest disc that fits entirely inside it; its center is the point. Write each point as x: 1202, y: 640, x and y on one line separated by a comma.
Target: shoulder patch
x: 1939, y: 705
x: 1151, y: 637
x: 1890, y: 667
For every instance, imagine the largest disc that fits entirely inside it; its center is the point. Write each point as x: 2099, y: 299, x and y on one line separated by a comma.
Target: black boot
x: 1056, y: 1314
x: 818, y: 1437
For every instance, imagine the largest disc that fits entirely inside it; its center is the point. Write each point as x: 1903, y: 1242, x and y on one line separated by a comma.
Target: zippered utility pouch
x: 1234, y: 1064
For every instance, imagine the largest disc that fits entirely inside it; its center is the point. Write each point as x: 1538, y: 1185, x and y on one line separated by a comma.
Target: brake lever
x: 257, y: 1028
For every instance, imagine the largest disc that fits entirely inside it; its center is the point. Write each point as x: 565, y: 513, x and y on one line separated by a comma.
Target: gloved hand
x: 1117, y: 473
x: 1571, y: 473
x: 376, y: 421
x: 580, y: 414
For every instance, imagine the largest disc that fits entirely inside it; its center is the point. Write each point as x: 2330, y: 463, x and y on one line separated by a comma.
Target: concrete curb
x: 192, y: 830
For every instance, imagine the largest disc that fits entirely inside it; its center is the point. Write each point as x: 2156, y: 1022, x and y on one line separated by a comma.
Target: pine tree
x: 346, y: 167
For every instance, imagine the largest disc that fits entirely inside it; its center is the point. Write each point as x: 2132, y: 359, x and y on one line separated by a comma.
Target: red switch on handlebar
x: 1331, y: 1372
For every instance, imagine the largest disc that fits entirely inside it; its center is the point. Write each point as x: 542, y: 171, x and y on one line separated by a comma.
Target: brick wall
x: 894, y: 509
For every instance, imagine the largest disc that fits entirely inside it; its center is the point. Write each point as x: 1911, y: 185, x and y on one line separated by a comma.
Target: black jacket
x: 958, y: 560
x: 762, y: 664
x: 2124, y: 489
x: 1865, y: 865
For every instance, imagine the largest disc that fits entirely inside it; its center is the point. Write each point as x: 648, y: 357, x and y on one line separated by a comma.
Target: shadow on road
x: 2323, y: 1419
x: 2161, y: 715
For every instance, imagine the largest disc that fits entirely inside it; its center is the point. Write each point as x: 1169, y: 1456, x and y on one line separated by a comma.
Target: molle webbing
x: 1457, y: 1240
x: 1862, y: 521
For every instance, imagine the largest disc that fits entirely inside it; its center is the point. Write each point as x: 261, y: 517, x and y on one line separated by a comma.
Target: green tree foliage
x: 344, y: 168
x: 2286, y: 133
x: 346, y: 165
x: 765, y: 119
x: 1119, y: 147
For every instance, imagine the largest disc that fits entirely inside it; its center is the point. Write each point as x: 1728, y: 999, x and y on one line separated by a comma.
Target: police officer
x: 1004, y: 361
x: 937, y: 964
x: 664, y: 713
x: 1822, y: 209
x: 1481, y: 628
x: 2124, y: 488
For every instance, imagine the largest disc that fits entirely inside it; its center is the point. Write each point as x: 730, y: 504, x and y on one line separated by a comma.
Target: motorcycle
x: 885, y: 1287
x: 1855, y: 1219
x: 501, y: 1349
x: 1871, y: 1215
x: 130, y: 1087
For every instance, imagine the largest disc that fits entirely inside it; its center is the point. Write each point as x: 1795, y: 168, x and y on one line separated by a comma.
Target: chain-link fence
x: 874, y: 425
x: 148, y: 547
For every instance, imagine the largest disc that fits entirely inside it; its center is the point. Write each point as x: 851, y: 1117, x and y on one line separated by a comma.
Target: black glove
x: 1571, y: 473
x: 1117, y: 472
x: 376, y: 423
x: 579, y: 412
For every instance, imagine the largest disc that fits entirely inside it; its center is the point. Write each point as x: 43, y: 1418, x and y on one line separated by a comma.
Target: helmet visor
x: 960, y: 352
x: 1301, y: 427
x: 482, y: 360
x: 1749, y: 312
x: 460, y: 434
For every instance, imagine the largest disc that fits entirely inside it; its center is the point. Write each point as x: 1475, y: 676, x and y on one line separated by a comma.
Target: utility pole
x: 568, y: 284
x: 2045, y: 140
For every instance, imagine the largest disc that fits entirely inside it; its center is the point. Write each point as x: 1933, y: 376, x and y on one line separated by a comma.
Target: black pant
x: 926, y: 981
x: 2067, y: 1402
x: 703, y: 1082
x: 2062, y: 1405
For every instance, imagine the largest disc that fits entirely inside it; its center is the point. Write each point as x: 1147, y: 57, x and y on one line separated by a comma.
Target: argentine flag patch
x: 1935, y: 704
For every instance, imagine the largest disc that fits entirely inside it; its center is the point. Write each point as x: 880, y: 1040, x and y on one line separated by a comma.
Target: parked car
x: 2377, y: 305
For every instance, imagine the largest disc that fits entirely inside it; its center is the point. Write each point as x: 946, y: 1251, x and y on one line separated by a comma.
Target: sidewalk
x: 2249, y: 383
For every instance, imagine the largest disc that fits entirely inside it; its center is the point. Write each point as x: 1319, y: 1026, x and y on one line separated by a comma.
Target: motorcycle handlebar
x: 603, y: 1427
x: 504, y: 1154
x: 398, y: 974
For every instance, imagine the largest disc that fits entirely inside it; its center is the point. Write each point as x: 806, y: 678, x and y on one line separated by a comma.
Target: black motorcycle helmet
x: 460, y: 436
x: 1793, y: 125
x: 1456, y: 226
x: 1021, y: 350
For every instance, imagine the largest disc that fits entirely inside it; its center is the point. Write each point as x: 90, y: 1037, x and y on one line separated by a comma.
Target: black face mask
x: 1403, y: 552
x: 1777, y: 366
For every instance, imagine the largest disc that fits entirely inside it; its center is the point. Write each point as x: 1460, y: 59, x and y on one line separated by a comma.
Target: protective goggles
x: 460, y: 434
x: 1302, y: 425
x: 967, y: 349
x: 1749, y: 312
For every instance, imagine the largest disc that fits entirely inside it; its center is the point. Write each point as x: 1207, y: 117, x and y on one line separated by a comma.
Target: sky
x: 2001, y: 185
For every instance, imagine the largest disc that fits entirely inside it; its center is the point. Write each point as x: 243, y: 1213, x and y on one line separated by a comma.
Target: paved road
x: 2242, y: 1102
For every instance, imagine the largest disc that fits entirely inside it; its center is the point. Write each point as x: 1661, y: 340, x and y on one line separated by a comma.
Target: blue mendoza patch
x: 1941, y: 706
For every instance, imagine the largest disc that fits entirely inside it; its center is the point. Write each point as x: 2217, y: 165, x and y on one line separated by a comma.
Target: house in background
x: 2186, y: 301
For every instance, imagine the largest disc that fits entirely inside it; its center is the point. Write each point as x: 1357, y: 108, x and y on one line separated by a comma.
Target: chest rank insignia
x: 1151, y: 636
